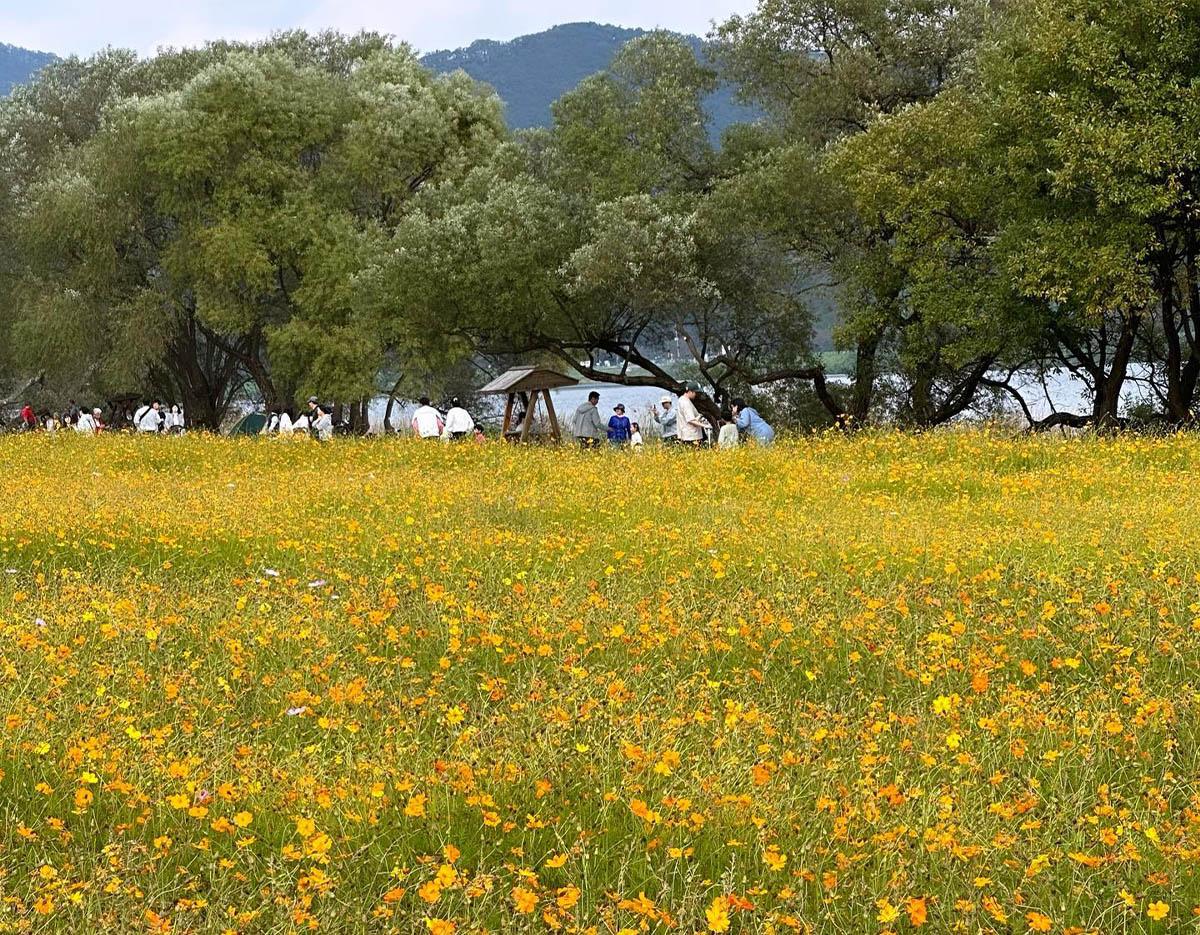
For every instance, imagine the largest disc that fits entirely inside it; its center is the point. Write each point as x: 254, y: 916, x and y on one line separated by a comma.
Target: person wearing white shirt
x: 427, y: 421
x: 320, y: 420
x: 728, y: 436
x: 88, y: 422
x: 459, y: 423
x: 690, y: 424
x: 299, y: 426
x: 173, y: 419
x: 149, y: 418
x: 323, y: 426
x: 286, y: 425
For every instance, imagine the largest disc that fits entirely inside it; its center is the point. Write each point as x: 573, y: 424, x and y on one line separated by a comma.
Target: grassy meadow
x: 867, y: 684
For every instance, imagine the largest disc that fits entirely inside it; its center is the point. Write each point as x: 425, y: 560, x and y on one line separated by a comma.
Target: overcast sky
x: 83, y: 26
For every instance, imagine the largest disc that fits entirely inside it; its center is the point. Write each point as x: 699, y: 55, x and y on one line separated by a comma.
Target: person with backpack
x: 148, y: 419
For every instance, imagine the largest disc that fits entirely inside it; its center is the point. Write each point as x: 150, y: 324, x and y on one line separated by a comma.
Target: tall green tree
x: 823, y: 71
x: 1092, y: 109
x: 210, y: 233
x: 1058, y: 186
x: 594, y: 242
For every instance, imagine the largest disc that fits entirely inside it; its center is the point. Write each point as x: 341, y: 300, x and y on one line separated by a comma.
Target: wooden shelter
x: 526, y: 387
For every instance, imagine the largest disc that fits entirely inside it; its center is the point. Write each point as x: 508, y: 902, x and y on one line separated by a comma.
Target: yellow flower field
x: 842, y: 685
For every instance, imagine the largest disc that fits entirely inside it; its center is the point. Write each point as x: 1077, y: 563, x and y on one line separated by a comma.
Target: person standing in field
x: 749, y: 421
x: 586, y: 426
x: 690, y: 424
x: 321, y: 427
x: 459, y: 423
x: 427, y: 422
x: 635, y: 440
x: 667, y: 421
x: 28, y: 418
x: 319, y: 422
x: 174, y: 420
x: 619, y: 427
x: 148, y: 419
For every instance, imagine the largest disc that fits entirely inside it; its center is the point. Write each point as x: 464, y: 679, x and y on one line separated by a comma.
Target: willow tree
x: 222, y: 220
x: 591, y: 243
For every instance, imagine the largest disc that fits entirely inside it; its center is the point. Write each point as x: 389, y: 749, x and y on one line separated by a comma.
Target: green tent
x: 250, y: 425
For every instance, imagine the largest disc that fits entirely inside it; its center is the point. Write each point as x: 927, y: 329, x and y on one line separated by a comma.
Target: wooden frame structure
x: 526, y: 386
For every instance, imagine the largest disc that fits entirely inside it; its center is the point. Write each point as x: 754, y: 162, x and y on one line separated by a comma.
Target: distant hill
x: 19, y: 65
x: 532, y: 72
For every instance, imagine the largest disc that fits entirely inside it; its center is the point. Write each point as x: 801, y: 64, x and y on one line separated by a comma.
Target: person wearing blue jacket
x: 751, y: 424
x: 620, y: 429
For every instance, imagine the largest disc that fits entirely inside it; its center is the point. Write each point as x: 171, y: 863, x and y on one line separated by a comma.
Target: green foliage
x: 531, y: 72
x: 235, y: 193
x: 595, y: 239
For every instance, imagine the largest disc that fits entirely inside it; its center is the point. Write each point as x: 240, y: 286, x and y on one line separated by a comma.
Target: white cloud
x: 83, y: 26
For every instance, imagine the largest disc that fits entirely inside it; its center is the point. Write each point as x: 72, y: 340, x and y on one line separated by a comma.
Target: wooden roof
x: 527, y: 380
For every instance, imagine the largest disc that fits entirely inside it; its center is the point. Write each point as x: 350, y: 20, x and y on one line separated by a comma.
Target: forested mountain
x: 17, y: 65
x: 531, y: 72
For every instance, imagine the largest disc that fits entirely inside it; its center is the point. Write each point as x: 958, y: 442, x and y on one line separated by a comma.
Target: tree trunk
x: 391, y: 402
x: 363, y: 427
x: 863, y: 389
x: 1178, y: 400
x: 1106, y: 406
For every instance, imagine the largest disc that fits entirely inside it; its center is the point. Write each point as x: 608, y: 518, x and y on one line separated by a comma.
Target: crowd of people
x: 316, y: 419
x: 679, y: 422
x: 150, y: 417
x: 427, y: 422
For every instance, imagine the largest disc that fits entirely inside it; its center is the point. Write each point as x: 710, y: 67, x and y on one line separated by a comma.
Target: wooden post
x: 507, y: 416
x: 554, y: 432
x: 528, y: 418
